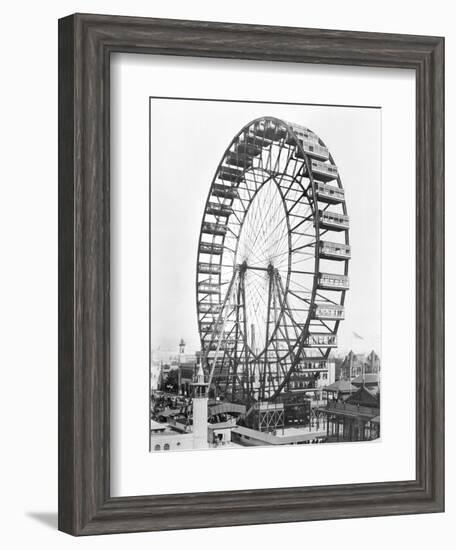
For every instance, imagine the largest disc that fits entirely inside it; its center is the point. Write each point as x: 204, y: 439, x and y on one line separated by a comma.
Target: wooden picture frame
x: 85, y: 45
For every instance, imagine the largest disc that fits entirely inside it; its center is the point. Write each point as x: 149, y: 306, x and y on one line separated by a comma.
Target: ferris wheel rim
x: 313, y: 203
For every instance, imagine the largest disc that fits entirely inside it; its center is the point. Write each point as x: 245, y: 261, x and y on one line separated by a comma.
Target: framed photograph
x: 251, y: 274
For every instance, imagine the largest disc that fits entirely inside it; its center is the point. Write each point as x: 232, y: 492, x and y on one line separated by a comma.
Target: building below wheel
x: 355, y: 418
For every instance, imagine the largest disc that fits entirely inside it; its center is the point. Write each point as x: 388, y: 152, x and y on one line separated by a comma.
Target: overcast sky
x: 188, y: 139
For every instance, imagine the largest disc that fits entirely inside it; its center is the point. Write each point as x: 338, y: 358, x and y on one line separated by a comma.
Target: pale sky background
x: 188, y: 139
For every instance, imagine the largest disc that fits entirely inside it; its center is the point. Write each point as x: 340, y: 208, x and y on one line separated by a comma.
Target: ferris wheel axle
x: 244, y: 267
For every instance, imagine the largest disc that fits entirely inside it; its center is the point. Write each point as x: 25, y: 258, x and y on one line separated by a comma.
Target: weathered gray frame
x: 85, y: 45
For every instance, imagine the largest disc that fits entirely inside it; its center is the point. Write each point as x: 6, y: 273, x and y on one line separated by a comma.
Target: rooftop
x: 343, y: 386
x: 367, y: 378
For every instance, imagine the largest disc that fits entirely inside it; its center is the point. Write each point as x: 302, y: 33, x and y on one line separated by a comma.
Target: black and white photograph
x: 265, y: 274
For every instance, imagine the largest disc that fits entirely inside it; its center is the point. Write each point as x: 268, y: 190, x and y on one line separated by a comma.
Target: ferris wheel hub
x: 245, y: 266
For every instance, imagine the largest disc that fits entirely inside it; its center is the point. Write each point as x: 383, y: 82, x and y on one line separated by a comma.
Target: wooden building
x: 341, y: 389
x: 355, y: 418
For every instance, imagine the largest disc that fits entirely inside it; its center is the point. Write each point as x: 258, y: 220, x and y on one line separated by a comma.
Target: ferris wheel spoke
x: 277, y: 244
x: 262, y: 217
x: 273, y: 229
x: 251, y: 221
x: 286, y: 252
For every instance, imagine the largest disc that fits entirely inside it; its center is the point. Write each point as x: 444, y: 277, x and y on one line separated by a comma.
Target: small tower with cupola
x: 199, y: 403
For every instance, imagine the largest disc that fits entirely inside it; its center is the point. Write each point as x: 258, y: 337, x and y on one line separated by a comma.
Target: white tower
x: 199, y: 403
x: 181, y: 348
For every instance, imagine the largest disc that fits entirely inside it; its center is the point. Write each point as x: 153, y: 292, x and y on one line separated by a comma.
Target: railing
x: 247, y: 148
x: 324, y: 168
x: 271, y: 130
x: 219, y: 209
x: 312, y: 149
x: 315, y: 149
x: 210, y: 308
x: 211, y: 327
x: 229, y: 173
x: 209, y: 268
x: 329, y: 311
x: 209, y: 288
x: 225, y: 345
x: 226, y: 191
x: 211, y: 248
x: 241, y: 160
x: 333, y: 281
x: 334, y: 218
x: 337, y: 250
x: 312, y: 365
x: 256, y: 139
x: 302, y: 385
x: 330, y: 192
x: 321, y: 340
x: 337, y: 406
x: 214, y: 228
x: 304, y: 134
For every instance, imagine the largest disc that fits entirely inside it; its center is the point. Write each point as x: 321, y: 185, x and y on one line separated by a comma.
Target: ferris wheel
x: 272, y: 267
